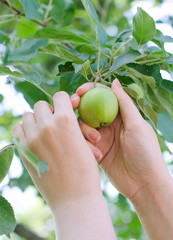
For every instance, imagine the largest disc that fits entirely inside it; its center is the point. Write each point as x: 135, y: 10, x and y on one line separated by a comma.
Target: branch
x: 19, y: 12
x: 27, y: 234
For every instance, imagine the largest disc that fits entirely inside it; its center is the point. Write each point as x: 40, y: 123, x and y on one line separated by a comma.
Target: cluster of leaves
x: 49, y: 54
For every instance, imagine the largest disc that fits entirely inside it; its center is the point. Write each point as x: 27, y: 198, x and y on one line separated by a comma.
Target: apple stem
x: 95, y: 81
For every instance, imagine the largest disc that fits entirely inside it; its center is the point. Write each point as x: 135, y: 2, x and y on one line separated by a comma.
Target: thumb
x: 128, y: 110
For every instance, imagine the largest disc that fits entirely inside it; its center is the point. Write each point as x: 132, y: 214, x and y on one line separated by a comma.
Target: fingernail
x: 98, y: 155
x: 116, y: 83
x: 94, y: 136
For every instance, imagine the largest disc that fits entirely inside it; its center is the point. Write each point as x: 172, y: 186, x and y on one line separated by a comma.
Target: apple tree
x: 50, y: 46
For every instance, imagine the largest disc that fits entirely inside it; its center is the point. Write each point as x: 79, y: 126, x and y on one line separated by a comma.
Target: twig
x: 26, y: 233
x: 47, y: 11
x: 19, y: 12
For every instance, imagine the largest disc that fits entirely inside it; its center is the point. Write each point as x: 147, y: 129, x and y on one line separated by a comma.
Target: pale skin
x: 128, y: 152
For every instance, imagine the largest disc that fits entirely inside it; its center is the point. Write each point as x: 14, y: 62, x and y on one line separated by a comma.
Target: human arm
x: 71, y: 187
x: 133, y: 161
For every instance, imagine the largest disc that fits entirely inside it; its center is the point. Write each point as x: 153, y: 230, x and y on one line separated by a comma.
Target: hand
x: 132, y: 157
x: 54, y: 135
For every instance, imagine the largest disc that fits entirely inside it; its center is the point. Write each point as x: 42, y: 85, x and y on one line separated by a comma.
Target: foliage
x: 59, y: 45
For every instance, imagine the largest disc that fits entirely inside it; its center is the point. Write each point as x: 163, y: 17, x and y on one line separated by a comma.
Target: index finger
x: 62, y: 104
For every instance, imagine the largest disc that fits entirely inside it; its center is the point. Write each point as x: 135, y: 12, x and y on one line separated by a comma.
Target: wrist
x: 158, y: 185
x: 84, y: 218
x: 153, y: 204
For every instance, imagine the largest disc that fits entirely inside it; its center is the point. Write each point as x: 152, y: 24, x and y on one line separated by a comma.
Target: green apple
x: 98, y: 107
x: 137, y: 89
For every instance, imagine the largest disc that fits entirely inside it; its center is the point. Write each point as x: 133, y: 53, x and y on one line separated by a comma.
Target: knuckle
x: 47, y: 131
x: 16, y: 129
x: 64, y: 118
x: 33, y: 142
x: 26, y: 115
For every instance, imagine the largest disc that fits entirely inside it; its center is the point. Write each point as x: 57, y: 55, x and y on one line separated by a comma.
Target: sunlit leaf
x: 83, y: 68
x: 143, y: 27
x: 164, y: 38
x: 51, y: 33
x: 6, y: 156
x: 63, y: 53
x: 6, y: 71
x: 25, y: 28
x: 7, y: 219
x: 124, y: 58
x: 101, y: 34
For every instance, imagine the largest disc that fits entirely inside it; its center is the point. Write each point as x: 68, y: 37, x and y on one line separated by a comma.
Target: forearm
x: 154, y: 207
x: 86, y: 219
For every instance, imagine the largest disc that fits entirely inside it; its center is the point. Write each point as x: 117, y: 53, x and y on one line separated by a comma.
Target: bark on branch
x: 26, y: 233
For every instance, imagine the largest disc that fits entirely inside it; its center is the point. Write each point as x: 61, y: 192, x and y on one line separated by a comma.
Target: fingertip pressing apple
x: 75, y: 99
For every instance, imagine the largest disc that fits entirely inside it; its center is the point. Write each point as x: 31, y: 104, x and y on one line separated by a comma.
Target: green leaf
x: 71, y: 82
x: 7, y: 219
x: 6, y: 156
x: 165, y: 126
x: 162, y: 143
x: 152, y: 71
x: 4, y: 37
x: 152, y: 98
x: 65, y: 69
x: 63, y: 12
x: 83, y: 68
x: 165, y: 98
x: 148, y: 111
x: 29, y: 87
x: 123, y: 35
x: 164, y: 38
x: 51, y: 33
x: 25, y: 28
x: 87, y: 49
x: 28, y: 50
x: 101, y: 34
x: 124, y: 58
x: 6, y: 71
x: 143, y: 78
x: 1, y: 98
x: 41, y: 167
x: 63, y: 53
x: 169, y: 60
x: 34, y: 77
x: 132, y: 93
x: 167, y: 85
x: 143, y: 27
x: 30, y: 7
x: 31, y: 93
